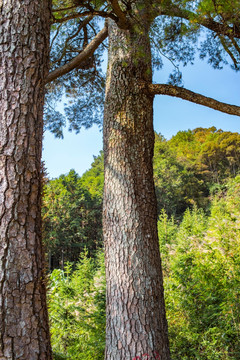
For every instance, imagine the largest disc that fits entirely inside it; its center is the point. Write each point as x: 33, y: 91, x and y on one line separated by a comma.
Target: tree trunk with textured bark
x: 24, y: 38
x: 136, y: 320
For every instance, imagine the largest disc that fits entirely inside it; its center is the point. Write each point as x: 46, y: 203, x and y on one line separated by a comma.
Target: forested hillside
x: 72, y: 215
x: 192, y: 165
x: 188, y: 169
x: 198, y: 193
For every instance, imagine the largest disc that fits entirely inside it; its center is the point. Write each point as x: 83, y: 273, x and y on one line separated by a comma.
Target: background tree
x: 214, y: 153
x: 93, y: 179
x: 192, y: 165
x: 71, y: 218
x: 177, y: 182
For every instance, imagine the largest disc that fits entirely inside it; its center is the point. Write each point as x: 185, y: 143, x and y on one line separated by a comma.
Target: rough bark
x: 136, y: 321
x: 24, y: 38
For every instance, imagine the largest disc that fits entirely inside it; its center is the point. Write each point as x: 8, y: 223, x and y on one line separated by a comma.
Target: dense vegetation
x: 77, y: 310
x: 72, y: 217
x: 192, y: 165
x: 201, y: 261
x: 199, y: 236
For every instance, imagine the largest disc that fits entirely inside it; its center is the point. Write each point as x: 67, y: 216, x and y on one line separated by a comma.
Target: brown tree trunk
x: 136, y: 320
x: 24, y: 37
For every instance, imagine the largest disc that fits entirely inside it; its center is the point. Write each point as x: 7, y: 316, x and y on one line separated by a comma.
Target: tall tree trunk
x: 24, y: 34
x: 136, y: 320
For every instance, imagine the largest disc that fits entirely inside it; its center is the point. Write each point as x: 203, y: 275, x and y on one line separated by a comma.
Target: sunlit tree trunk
x: 136, y: 320
x: 24, y: 37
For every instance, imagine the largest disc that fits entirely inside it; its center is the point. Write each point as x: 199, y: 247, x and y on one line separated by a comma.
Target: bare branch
x: 66, y: 44
x: 55, y: 36
x: 235, y: 44
x: 75, y: 62
x: 163, y: 89
x: 228, y: 51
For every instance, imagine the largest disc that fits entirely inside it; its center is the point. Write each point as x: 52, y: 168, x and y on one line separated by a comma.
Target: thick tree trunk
x: 136, y: 320
x: 24, y: 37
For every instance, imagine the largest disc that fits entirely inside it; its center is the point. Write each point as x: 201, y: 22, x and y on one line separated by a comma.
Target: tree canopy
x: 179, y: 32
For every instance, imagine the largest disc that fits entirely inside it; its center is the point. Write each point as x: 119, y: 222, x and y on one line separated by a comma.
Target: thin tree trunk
x: 24, y: 38
x: 136, y: 320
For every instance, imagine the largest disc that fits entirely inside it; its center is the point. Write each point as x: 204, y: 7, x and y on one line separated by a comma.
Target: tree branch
x: 64, y: 9
x: 103, y: 14
x: 163, y: 89
x: 209, y: 23
x: 75, y: 62
x: 122, y: 19
x: 66, y: 44
x: 228, y: 51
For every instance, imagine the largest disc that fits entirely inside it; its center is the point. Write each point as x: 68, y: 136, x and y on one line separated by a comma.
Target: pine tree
x: 24, y: 34
x: 132, y: 259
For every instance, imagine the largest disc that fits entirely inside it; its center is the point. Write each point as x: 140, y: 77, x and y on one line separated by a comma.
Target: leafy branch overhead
x: 80, y: 58
x: 79, y: 36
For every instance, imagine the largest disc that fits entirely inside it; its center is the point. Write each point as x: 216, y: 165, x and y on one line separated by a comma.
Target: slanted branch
x: 171, y: 90
x: 79, y: 59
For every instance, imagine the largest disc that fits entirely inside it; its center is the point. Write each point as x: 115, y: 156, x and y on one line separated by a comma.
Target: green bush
x: 77, y: 310
x: 201, y: 260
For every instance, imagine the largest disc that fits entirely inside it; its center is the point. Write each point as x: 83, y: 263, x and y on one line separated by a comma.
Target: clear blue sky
x: 170, y: 116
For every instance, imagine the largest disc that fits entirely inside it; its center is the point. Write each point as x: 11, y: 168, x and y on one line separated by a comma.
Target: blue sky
x: 170, y: 116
